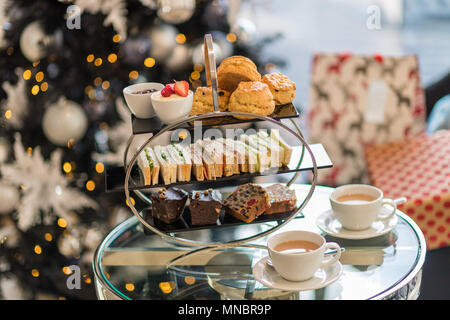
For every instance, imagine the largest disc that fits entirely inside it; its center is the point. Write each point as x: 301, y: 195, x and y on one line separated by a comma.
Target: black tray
x: 115, y: 176
x: 154, y: 125
x: 225, y: 220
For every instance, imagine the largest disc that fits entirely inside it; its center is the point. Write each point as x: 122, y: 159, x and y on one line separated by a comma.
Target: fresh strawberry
x: 167, y: 91
x: 181, y: 88
x: 172, y: 87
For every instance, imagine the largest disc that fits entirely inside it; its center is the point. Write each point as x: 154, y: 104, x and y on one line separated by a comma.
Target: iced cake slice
x: 282, y: 199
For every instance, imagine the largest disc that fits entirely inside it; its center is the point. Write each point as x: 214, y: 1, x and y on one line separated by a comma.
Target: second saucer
x: 328, y: 223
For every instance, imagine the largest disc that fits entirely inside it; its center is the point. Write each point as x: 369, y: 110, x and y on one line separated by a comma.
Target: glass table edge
x: 117, y: 231
x: 420, y: 260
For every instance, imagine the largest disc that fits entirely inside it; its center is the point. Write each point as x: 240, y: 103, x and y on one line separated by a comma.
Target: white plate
x: 328, y: 223
x: 270, y: 278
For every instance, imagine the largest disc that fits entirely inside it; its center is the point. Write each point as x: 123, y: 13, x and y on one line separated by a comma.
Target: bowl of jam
x: 138, y: 98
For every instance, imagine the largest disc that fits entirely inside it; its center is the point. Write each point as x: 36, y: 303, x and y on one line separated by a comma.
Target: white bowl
x: 173, y: 108
x: 141, y: 104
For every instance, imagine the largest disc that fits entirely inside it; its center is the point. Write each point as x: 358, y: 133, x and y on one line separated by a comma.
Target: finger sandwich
x: 182, y: 159
x: 149, y: 166
x: 276, y: 151
x: 198, y: 170
x: 214, y: 150
x: 209, y: 167
x: 275, y: 135
x: 261, y: 151
x: 168, y: 166
x: 240, y: 155
x: 230, y: 161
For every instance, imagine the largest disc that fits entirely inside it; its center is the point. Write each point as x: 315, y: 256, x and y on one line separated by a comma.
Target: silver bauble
x: 176, y: 11
x: 35, y: 44
x: 162, y: 41
x: 64, y: 121
x: 9, y: 198
x: 215, y: 15
x: 180, y: 58
x: 135, y: 49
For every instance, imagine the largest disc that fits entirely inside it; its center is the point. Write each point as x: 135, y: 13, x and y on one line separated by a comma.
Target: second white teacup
x: 297, y: 255
x: 357, y: 206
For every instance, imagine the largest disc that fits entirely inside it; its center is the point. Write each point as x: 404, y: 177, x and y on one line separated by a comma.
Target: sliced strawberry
x: 181, y: 88
x: 172, y: 87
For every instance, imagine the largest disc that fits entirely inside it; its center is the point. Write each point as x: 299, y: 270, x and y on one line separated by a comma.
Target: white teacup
x: 301, y: 266
x: 358, y: 213
x: 141, y: 104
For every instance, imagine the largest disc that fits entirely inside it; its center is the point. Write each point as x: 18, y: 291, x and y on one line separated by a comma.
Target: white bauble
x: 35, y: 44
x: 179, y: 59
x: 92, y: 238
x: 176, y: 11
x: 245, y: 30
x: 198, y: 53
x: 5, y: 149
x: 63, y: 121
x: 162, y: 41
x: 69, y: 245
x: 9, y: 198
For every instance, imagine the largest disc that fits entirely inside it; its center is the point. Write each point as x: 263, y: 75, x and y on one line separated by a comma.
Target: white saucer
x: 328, y: 223
x: 270, y: 278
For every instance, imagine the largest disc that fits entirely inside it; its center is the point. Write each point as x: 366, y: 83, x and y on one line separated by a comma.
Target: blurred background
x: 63, y: 65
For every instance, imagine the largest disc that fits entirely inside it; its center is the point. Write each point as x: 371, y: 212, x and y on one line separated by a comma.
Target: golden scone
x: 240, y: 59
x: 252, y: 97
x: 203, y: 101
x: 234, y: 70
x: 282, y: 88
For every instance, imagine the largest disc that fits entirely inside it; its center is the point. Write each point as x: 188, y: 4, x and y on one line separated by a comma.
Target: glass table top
x: 130, y: 264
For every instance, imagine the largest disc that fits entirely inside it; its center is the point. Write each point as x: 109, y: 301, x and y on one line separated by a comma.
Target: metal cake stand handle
x: 211, y: 71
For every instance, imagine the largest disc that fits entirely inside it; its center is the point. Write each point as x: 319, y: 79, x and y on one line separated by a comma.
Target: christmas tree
x: 63, y: 67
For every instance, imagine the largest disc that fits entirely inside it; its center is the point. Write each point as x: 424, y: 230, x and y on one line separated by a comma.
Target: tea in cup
x: 357, y: 206
x: 297, y: 255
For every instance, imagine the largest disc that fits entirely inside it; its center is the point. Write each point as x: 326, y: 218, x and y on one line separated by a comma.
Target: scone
x: 234, y: 70
x: 282, y: 88
x: 203, y: 101
x: 247, y: 202
x: 252, y: 97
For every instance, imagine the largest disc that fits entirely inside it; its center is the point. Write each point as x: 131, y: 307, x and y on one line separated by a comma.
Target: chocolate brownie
x: 247, y: 202
x: 282, y: 199
x: 168, y: 204
x: 205, y: 207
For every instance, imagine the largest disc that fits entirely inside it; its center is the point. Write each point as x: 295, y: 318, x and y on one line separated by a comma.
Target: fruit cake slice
x: 247, y: 202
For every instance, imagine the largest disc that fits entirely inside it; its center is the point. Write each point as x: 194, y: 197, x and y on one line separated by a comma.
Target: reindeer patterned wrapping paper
x: 418, y: 169
x: 356, y: 101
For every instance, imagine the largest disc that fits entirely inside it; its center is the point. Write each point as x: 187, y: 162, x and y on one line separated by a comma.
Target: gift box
x: 357, y: 101
x: 418, y: 169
